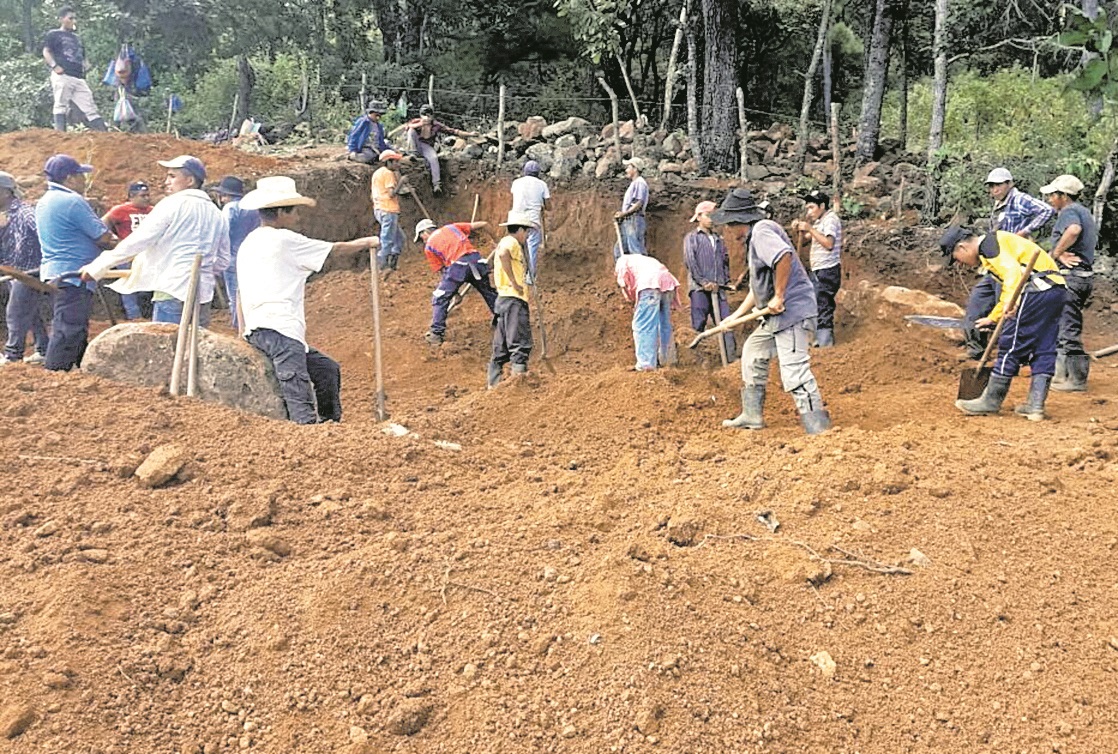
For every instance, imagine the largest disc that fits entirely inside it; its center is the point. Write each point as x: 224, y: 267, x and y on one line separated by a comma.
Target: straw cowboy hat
x: 519, y: 218
x: 277, y: 191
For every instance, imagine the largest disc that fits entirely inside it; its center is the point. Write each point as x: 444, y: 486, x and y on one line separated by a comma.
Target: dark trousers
x: 454, y: 277
x: 1030, y: 335
x: 1071, y: 319
x: 827, y: 283
x: 69, y: 327
x: 311, y: 382
x: 25, y: 315
x: 702, y: 311
x: 512, y: 331
x: 983, y: 297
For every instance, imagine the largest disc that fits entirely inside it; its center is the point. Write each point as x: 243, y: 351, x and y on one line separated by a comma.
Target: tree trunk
x: 1091, y: 9
x: 27, y: 26
x: 720, y: 79
x: 387, y: 13
x: 809, y: 87
x: 827, y: 81
x: 939, y: 109
x: 669, y: 83
x: 693, y: 97
x: 246, y: 80
x: 629, y: 87
x: 877, y: 68
x: 743, y: 136
x: 614, y: 109
x: 1104, y: 184
x: 904, y: 78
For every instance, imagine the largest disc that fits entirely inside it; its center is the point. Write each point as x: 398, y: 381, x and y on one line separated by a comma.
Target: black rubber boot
x: 752, y: 407
x: 59, y: 122
x: 1033, y: 408
x: 824, y: 337
x: 493, y: 376
x: 816, y: 422
x: 1061, y: 368
x: 990, y: 402
x: 98, y: 125
x: 1077, y: 368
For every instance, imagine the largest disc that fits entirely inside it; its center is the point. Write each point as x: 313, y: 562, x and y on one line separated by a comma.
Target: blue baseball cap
x: 191, y: 165
x: 62, y: 166
x: 531, y: 167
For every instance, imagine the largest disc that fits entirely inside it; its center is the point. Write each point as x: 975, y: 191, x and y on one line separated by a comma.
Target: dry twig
x: 851, y: 559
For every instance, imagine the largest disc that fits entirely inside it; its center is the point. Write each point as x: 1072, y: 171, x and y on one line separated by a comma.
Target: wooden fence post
x: 501, y: 126
x: 836, y: 156
x: 743, y: 135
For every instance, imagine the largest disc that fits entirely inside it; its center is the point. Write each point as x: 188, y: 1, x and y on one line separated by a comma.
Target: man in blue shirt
x: 631, y: 216
x: 71, y: 235
x: 241, y: 223
x: 19, y: 248
x: 1014, y: 212
x: 366, y: 139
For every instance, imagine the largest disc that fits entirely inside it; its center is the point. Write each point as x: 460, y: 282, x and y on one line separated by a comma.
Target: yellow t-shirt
x: 519, y: 268
x: 384, y: 183
x: 1007, y: 259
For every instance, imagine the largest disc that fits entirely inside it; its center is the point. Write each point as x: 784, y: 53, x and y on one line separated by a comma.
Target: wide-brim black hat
x: 738, y: 206
x: 231, y: 185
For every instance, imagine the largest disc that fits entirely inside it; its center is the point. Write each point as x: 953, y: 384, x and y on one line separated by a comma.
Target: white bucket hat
x: 1063, y: 184
x: 422, y: 225
x: 519, y: 218
x: 277, y: 191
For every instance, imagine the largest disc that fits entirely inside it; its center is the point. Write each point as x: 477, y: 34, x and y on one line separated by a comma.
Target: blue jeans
x: 1030, y: 335
x: 454, y: 277
x: 230, y: 276
x: 391, y: 239
x: 633, y: 229
x: 69, y: 327
x: 983, y: 297
x: 170, y: 311
x: 311, y: 382
x: 535, y: 240
x: 24, y: 315
x: 652, y: 327
x: 133, y: 308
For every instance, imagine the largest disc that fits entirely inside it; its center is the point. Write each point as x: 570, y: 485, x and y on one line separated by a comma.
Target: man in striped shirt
x: 825, y: 230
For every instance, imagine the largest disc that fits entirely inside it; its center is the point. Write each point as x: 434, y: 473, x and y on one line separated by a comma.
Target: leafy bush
x: 25, y: 98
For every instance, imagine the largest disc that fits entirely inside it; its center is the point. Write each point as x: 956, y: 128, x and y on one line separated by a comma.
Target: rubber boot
x: 98, y: 125
x: 815, y: 422
x: 519, y: 370
x: 1033, y: 408
x: 990, y: 402
x: 59, y: 122
x: 1077, y: 368
x: 1061, y: 369
x: 824, y: 337
x: 493, y: 376
x: 752, y: 406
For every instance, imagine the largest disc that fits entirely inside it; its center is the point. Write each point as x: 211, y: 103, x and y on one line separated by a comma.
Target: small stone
x: 95, y: 555
x: 230, y: 707
x: 409, y: 717
x: 470, y: 671
x: 15, y: 719
x: 357, y: 734
x: 918, y: 558
x: 50, y: 527
x: 263, y: 539
x: 7, y: 619
x: 825, y: 663
x: 56, y: 681
x: 549, y: 573
x: 367, y: 705
x: 161, y: 466
x: 648, y: 720
x: 569, y: 731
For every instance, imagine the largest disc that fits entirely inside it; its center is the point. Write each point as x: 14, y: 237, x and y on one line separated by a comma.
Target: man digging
x: 450, y: 253
x: 512, y: 328
x: 272, y: 268
x: 778, y: 282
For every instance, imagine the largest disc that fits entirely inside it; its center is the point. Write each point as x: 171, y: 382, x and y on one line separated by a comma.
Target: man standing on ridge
x: 65, y: 57
x: 631, y: 217
x: 529, y: 196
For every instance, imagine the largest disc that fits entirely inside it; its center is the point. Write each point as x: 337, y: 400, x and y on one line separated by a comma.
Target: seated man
x: 366, y: 139
x: 423, y: 135
x: 450, y: 253
x: 272, y: 269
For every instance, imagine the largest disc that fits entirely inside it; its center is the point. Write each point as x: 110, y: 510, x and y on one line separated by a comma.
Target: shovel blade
x: 972, y: 383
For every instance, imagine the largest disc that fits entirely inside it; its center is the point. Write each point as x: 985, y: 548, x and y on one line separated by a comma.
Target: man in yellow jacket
x: 1032, y: 327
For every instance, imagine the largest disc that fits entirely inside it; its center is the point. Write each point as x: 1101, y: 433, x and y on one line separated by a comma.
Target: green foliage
x: 596, y: 25
x: 24, y: 92
x: 275, y: 97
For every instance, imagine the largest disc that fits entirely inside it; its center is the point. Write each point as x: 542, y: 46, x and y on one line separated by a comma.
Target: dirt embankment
x: 587, y: 574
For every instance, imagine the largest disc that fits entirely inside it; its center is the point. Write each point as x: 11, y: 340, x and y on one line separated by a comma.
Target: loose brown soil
x: 586, y: 573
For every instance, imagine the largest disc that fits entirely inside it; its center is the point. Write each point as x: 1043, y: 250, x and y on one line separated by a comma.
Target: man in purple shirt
x: 631, y: 216
x: 778, y: 282
x: 708, y: 273
x: 19, y: 248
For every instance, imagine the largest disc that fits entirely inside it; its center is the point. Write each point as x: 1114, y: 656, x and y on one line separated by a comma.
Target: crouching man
x: 273, y: 265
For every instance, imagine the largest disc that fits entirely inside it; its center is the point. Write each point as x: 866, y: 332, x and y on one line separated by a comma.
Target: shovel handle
x: 728, y: 324
x: 1012, y: 303
x: 1108, y: 351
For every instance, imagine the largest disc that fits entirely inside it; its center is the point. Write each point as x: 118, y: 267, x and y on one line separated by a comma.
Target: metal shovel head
x: 972, y: 382
x: 942, y: 323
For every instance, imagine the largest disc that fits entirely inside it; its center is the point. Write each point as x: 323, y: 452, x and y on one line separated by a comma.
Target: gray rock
x: 541, y: 153
x: 606, y: 166
x: 566, y: 140
x: 672, y: 144
x: 572, y: 125
x: 756, y: 172
x: 230, y: 371
x: 627, y: 130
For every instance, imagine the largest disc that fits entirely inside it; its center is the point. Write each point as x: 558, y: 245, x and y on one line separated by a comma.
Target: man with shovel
x: 19, y: 249
x: 450, y: 253
x: 512, y: 328
x: 778, y: 283
x: 708, y: 274
x: 1032, y: 322
x: 272, y: 268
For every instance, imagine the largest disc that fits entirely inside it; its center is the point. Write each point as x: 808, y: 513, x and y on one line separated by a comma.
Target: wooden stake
x: 743, y: 134
x: 192, y: 361
x: 381, y: 411
x: 431, y: 90
x: 473, y: 215
x: 233, y: 115
x: 836, y: 155
x: 184, y: 324
x: 364, y: 89
x: 501, y: 126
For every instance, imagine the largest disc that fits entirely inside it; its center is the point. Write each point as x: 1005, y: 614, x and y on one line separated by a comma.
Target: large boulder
x: 572, y: 125
x: 230, y: 371
x: 532, y: 129
x: 541, y: 153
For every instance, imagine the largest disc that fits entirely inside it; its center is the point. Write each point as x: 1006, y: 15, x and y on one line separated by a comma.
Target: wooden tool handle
x: 728, y: 324
x: 1012, y: 303
x: 1108, y: 351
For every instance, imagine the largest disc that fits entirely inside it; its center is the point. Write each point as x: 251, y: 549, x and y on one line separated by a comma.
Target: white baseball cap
x: 1063, y: 184
x: 422, y: 225
x: 999, y: 175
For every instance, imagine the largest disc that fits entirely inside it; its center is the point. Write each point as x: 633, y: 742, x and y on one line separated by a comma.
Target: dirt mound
x: 577, y: 562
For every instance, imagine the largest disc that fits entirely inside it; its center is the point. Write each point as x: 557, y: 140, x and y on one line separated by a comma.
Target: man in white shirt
x: 162, y: 248
x: 273, y: 265
x: 529, y: 197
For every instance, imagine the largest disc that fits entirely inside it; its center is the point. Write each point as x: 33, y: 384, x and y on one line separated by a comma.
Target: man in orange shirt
x: 387, y: 186
x: 450, y: 252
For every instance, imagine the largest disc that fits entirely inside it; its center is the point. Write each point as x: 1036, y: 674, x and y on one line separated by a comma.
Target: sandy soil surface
x: 570, y: 563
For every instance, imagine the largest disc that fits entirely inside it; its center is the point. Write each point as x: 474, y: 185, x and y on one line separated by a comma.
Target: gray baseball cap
x: 9, y: 182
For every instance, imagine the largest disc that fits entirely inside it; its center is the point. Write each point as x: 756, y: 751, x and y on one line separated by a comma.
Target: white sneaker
x: 4, y: 360
x: 35, y: 358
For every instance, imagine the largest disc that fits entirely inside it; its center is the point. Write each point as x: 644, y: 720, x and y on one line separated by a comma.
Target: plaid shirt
x: 1020, y: 212
x: 706, y: 260
x: 19, y: 241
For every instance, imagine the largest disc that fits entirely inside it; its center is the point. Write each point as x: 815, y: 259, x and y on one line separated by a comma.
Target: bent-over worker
x: 450, y: 253
x: 653, y: 290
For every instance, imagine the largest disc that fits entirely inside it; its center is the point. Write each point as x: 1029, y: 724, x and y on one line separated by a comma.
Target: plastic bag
x: 124, y: 112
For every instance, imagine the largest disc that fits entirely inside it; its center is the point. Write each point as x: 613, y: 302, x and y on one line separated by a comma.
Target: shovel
x: 972, y: 382
x: 728, y: 324
x: 620, y: 237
